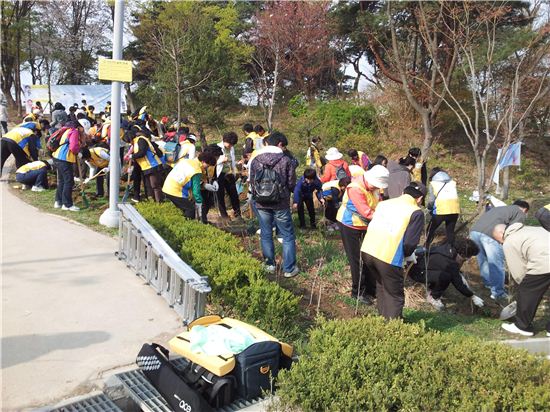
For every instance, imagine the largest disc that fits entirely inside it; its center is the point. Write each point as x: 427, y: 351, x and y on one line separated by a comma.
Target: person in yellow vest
x: 359, y: 158
x: 391, y: 240
x: 183, y: 184
x: 443, y: 205
x: 209, y: 182
x: 64, y: 159
x: 97, y: 159
x: 187, y: 148
x: 313, y: 156
x: 543, y: 216
x: 34, y: 174
x: 261, y: 135
x: 147, y: 156
x: 357, y: 208
x: 22, y: 142
x: 420, y: 171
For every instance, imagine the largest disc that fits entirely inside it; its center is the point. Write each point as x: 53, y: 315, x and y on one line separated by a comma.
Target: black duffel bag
x: 219, y: 391
x: 153, y: 360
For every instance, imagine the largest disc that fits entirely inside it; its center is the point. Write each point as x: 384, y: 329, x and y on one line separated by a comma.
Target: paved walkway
x: 71, y: 312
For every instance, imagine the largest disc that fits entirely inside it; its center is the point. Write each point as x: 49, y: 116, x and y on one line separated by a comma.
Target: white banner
x: 96, y: 95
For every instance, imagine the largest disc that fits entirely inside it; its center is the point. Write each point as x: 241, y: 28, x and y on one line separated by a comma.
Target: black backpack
x: 267, y: 187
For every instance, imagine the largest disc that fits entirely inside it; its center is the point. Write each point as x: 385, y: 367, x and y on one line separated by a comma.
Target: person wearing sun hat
x: 358, y: 205
x: 336, y: 168
x: 391, y: 240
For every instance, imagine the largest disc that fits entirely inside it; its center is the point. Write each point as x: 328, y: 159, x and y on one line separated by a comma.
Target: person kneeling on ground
x: 96, y: 158
x: 272, y: 178
x: 34, y: 174
x: 183, y: 184
x: 333, y: 193
x: 527, y: 253
x: 443, y: 265
x: 303, y: 193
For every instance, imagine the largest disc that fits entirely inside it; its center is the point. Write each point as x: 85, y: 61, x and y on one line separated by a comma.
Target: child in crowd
x: 303, y: 194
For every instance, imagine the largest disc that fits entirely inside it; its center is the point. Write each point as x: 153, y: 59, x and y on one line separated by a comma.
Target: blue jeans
x: 491, y: 262
x: 33, y: 177
x: 282, y: 220
x: 65, y: 182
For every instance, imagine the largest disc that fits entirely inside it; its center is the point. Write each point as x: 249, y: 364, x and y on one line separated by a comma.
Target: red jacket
x: 330, y: 170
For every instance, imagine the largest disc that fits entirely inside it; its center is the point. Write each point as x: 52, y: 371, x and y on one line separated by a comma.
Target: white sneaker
x: 512, y: 328
x: 548, y: 334
x: 73, y: 208
x: 292, y: 273
x: 37, y: 189
x: 269, y: 268
x: 57, y: 205
x: 25, y: 187
x: 436, y: 303
x: 280, y: 240
x: 259, y: 231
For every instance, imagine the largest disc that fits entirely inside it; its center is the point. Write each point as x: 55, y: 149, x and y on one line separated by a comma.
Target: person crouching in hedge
x: 183, y: 184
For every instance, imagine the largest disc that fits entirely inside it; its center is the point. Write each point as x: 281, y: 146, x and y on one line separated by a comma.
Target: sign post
x: 117, y: 69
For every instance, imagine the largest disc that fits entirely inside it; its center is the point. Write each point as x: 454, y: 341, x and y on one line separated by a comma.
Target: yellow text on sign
x: 115, y: 70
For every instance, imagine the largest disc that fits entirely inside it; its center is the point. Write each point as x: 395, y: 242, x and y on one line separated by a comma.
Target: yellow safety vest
x: 20, y: 136
x: 386, y: 230
x: 39, y: 164
x: 348, y: 214
x: 446, y: 201
x: 96, y: 158
x: 184, y: 149
x: 106, y: 130
x: 356, y: 170
x: 150, y: 159
x: 63, y: 152
x: 183, y: 189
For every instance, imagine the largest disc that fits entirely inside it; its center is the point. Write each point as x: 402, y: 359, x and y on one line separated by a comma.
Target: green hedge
x: 369, y: 365
x: 236, y: 278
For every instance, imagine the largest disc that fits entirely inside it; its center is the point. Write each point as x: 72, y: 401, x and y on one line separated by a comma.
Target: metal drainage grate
x: 150, y: 400
x: 97, y: 403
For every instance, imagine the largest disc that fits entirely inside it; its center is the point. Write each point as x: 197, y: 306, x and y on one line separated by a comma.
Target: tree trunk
x: 273, y: 93
x: 129, y: 98
x: 202, y: 136
x: 17, y: 70
x: 428, y: 134
x: 506, y: 183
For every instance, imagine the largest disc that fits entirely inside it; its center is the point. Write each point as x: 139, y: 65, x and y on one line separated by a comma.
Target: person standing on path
x: 491, y: 256
x: 527, y: 252
x: 390, y: 241
x: 226, y: 171
x: 272, y: 180
x: 358, y: 205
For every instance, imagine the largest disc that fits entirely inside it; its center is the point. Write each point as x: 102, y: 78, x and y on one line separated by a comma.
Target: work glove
x: 476, y: 300
x: 210, y: 187
x: 198, y: 211
x: 418, y: 165
x: 411, y: 258
x: 105, y: 170
x: 215, y: 185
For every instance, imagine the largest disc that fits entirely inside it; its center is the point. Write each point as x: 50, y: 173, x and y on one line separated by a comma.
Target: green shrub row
x: 368, y: 364
x: 236, y: 278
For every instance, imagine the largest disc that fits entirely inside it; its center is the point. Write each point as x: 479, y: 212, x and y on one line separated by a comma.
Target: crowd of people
x: 378, y: 206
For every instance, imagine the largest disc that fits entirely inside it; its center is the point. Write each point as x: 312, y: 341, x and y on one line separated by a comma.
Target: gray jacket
x: 527, y: 250
x: 498, y: 215
x: 399, y: 179
x: 59, y: 118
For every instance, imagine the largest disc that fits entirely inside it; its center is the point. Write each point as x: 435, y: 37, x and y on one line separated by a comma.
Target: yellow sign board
x: 115, y: 70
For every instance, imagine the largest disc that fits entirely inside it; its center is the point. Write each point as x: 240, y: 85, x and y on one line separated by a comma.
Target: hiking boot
x: 512, y: 328
x: 436, y: 303
x: 37, y: 189
x: 73, y: 208
x: 57, y: 205
x: 292, y: 273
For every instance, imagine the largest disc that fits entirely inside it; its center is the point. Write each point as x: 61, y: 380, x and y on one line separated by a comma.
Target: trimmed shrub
x: 235, y: 276
x: 369, y: 364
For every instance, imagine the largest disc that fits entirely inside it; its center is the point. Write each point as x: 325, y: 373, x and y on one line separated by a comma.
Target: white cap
x: 85, y: 124
x: 377, y: 176
x: 333, y: 154
x: 192, y: 137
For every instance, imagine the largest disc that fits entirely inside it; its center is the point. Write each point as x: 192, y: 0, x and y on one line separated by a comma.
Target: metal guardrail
x: 145, y: 251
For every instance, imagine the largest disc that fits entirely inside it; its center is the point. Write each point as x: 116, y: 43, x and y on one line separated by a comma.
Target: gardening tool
x: 85, y: 201
x: 102, y: 172
x: 508, y: 311
x: 127, y: 191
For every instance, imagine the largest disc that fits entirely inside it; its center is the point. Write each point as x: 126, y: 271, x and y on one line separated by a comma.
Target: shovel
x: 509, y: 311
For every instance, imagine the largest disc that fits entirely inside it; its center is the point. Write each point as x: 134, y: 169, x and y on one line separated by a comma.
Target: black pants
x: 530, y: 292
x: 9, y: 147
x: 136, y: 180
x: 436, y: 221
x: 185, y: 205
x: 331, y: 210
x: 227, y: 184
x: 207, y: 202
x: 4, y: 126
x: 362, y: 280
x: 65, y: 182
x: 439, y: 280
x: 389, y: 287
x: 310, y: 211
x: 99, y: 186
x: 153, y: 179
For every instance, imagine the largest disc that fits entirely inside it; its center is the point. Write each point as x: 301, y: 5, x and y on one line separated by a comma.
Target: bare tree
x: 503, y: 90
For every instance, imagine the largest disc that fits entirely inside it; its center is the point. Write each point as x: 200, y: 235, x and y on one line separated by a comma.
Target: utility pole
x: 111, y: 216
